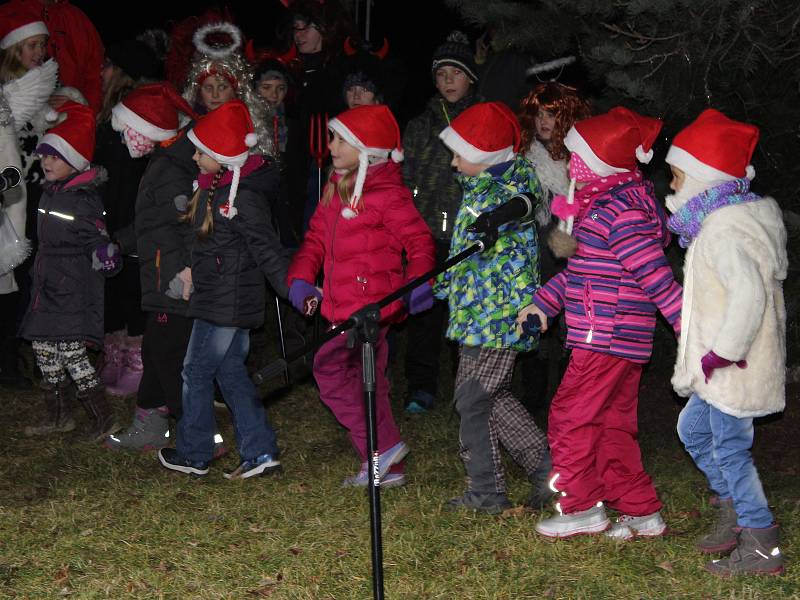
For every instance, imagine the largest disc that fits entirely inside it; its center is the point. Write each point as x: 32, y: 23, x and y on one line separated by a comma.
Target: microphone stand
x: 363, y: 325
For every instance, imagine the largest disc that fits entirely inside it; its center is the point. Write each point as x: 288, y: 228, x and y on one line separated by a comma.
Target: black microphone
x: 10, y: 177
x: 519, y: 207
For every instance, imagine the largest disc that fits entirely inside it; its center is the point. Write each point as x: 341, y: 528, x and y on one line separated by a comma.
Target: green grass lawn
x: 80, y: 521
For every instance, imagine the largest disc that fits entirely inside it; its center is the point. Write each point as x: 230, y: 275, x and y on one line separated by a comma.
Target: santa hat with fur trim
x: 613, y: 142
x: 714, y: 148
x: 152, y: 110
x: 17, y: 23
x: 373, y: 130
x: 73, y: 136
x: 226, y: 134
x: 487, y: 133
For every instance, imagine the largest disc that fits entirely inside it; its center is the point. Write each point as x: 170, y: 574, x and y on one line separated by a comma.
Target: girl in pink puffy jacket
x: 364, y: 222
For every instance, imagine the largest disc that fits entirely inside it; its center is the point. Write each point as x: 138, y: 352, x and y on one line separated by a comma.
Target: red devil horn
x: 349, y: 49
x: 250, y: 52
x: 383, y: 51
x: 288, y: 56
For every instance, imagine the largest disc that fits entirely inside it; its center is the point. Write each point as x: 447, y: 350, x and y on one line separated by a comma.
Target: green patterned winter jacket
x: 426, y: 166
x: 486, y: 291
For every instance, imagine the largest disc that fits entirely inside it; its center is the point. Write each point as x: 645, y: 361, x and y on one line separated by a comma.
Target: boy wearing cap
x: 616, y: 278
x: 437, y: 195
x: 732, y: 350
x: 484, y: 293
x: 75, y: 252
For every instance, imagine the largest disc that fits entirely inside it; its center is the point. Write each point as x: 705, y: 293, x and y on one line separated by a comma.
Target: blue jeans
x: 720, y: 446
x: 219, y: 353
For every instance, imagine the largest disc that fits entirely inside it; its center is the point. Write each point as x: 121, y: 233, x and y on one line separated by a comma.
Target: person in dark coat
x: 66, y: 308
x: 234, y: 250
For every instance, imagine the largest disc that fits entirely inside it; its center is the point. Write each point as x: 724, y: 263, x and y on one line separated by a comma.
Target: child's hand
x: 106, y: 258
x: 185, y: 278
x: 712, y: 361
x: 420, y: 299
x: 304, y: 297
x: 531, y: 310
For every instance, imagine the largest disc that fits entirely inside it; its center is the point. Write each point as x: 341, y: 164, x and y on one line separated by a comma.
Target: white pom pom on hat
x: 250, y: 140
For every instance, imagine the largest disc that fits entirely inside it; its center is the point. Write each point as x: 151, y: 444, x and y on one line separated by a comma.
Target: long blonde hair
x: 207, y: 227
x: 11, y: 66
x: 345, y: 187
x: 120, y: 84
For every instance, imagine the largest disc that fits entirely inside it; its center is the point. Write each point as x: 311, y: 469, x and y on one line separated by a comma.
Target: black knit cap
x: 456, y: 52
x: 136, y: 59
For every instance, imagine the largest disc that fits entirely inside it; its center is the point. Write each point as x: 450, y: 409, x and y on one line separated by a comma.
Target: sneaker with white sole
x: 260, y: 465
x: 391, y: 457
x: 627, y: 527
x: 589, y: 521
x: 170, y: 459
x: 361, y: 479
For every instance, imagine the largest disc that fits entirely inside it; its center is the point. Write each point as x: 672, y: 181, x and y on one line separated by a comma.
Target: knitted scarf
x: 688, y: 220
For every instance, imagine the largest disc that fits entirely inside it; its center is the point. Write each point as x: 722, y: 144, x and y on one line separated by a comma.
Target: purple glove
x: 711, y: 361
x: 304, y: 297
x: 420, y: 299
x: 106, y: 258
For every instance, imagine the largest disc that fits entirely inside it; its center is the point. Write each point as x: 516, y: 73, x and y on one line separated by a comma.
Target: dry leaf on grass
x: 61, y: 577
x: 294, y: 550
x: 667, y: 566
x: 516, y: 511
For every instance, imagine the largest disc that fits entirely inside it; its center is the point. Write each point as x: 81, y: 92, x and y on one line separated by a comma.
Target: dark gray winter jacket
x: 163, y: 241
x: 67, y: 295
x: 228, y: 267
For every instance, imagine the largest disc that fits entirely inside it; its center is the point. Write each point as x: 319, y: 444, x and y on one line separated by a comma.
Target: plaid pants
x: 56, y: 359
x: 491, y: 415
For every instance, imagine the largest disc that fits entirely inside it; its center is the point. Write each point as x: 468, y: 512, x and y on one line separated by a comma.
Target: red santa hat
x: 73, y: 135
x: 613, y: 142
x: 715, y: 148
x: 152, y: 110
x: 373, y: 130
x: 226, y: 134
x: 486, y: 133
x: 18, y: 23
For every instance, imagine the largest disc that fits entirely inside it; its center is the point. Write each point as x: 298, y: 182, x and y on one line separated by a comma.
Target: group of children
x: 207, y: 255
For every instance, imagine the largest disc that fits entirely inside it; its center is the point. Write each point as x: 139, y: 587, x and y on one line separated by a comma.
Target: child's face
x: 343, y: 155
x: 465, y: 167
x: 358, y: 96
x: 215, y: 91
x: 678, y: 177
x: 206, y: 163
x: 545, y: 122
x: 32, y: 51
x: 273, y: 91
x: 56, y: 169
x: 452, y: 83
x: 307, y: 37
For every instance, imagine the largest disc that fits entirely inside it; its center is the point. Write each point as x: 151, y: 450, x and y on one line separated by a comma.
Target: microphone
x: 519, y: 207
x: 10, y: 177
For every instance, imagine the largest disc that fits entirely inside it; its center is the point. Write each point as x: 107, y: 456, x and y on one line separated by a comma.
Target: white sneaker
x: 627, y: 527
x: 591, y: 520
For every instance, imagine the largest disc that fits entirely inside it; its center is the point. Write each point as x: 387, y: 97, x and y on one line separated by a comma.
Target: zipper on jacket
x: 158, y: 269
x: 588, y: 306
x: 333, y: 259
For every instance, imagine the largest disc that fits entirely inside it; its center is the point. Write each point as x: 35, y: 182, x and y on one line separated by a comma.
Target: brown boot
x: 102, y: 421
x: 757, y: 553
x: 722, y: 537
x: 58, y: 401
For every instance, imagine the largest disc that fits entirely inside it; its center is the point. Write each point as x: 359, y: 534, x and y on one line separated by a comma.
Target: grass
x: 80, y: 521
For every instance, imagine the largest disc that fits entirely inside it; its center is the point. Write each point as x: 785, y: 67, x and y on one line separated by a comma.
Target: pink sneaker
x: 110, y: 370
x: 130, y: 374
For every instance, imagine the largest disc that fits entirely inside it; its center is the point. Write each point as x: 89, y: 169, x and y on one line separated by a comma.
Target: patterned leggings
x: 56, y: 359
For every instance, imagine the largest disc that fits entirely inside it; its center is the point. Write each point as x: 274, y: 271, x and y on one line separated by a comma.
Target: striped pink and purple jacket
x: 618, y: 277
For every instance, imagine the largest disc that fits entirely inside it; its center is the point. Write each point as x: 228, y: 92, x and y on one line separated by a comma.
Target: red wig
x: 561, y: 100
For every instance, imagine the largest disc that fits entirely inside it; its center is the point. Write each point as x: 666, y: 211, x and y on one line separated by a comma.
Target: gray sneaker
x: 591, y: 520
x: 756, y: 553
x: 149, y: 431
x: 627, y: 527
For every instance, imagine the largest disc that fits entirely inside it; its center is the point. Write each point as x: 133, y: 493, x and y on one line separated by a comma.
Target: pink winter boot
x: 131, y: 371
x: 109, y: 370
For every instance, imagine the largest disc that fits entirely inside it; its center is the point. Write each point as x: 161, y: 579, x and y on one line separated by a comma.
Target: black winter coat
x: 67, y: 295
x: 228, y: 267
x: 163, y: 241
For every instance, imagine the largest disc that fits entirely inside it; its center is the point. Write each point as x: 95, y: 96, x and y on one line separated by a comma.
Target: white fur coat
x: 552, y: 175
x: 733, y: 305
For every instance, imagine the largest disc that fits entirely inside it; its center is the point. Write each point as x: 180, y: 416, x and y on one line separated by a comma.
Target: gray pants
x: 492, y: 415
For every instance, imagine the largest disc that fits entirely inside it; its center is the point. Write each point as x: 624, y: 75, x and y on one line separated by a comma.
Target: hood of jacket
x: 92, y: 178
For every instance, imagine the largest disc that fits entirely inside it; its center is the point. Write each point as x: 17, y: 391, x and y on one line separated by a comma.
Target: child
x: 234, y: 249
x: 149, y: 120
x: 484, y: 293
x: 732, y: 351
x: 428, y: 174
x: 66, y: 307
x: 364, y: 222
x: 610, y: 289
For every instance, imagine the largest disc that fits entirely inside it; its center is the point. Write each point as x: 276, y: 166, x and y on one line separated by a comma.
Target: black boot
x: 58, y: 401
x: 541, y: 493
x: 756, y: 553
x: 102, y: 422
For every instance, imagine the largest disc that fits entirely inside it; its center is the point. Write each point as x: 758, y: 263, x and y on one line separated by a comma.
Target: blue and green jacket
x: 486, y: 291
